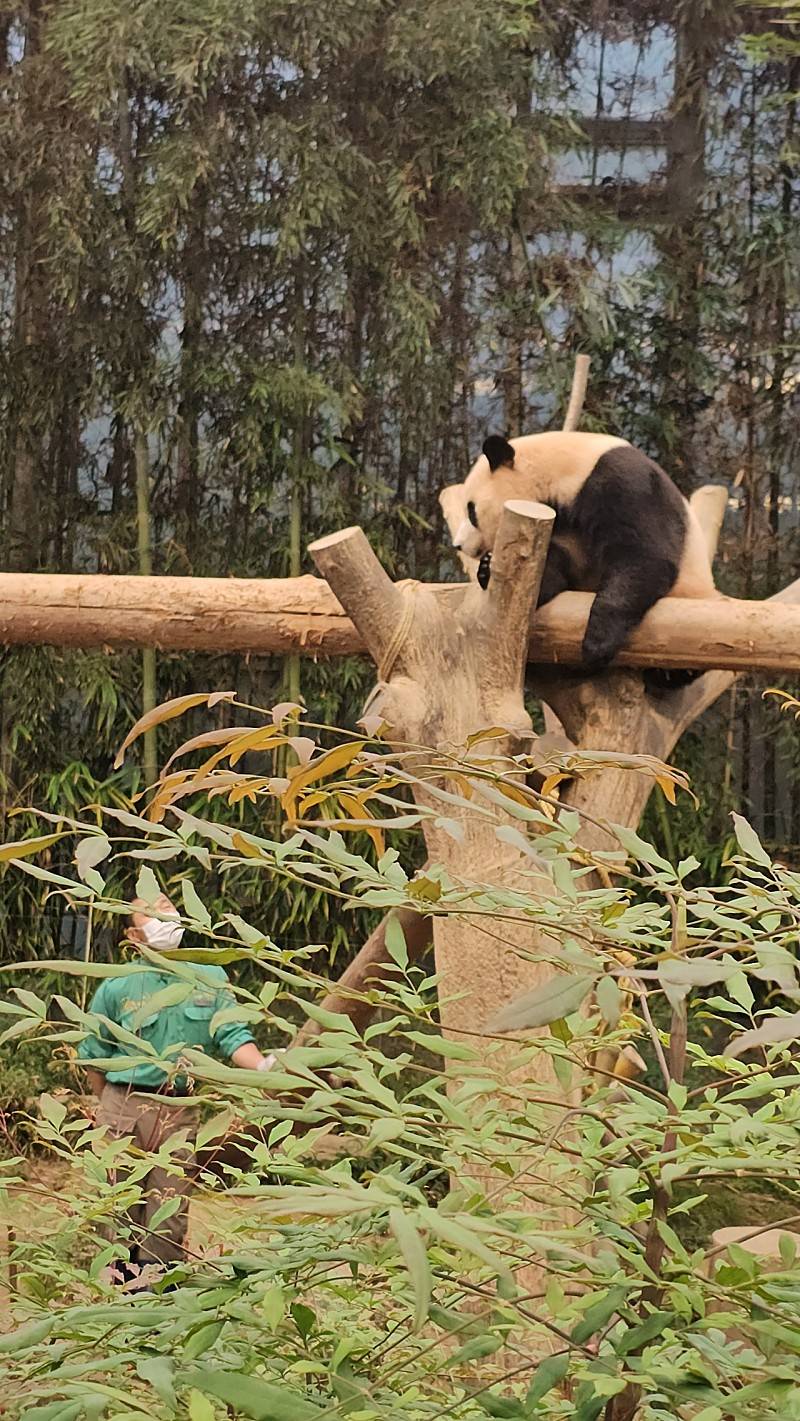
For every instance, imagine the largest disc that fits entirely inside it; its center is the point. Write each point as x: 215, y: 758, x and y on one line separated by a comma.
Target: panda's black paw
x: 484, y: 570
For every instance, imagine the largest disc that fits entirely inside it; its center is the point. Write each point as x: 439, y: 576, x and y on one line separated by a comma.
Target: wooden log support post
x: 446, y: 672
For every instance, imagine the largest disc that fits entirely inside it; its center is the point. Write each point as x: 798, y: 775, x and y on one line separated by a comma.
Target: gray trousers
x: 150, y: 1120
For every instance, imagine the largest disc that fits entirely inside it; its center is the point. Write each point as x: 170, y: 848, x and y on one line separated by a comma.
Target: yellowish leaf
x: 23, y: 848
x: 243, y: 846
x: 495, y: 732
x: 462, y: 783
x: 168, y: 710
x: 518, y: 795
x: 318, y: 796
x: 378, y: 840
x: 668, y: 786
x: 165, y: 794
x: 325, y: 764
x: 425, y: 888
x: 353, y: 804
x: 262, y: 738
x: 202, y: 742
x: 247, y: 788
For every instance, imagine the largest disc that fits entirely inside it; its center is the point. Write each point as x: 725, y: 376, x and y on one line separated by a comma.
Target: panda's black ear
x: 498, y: 451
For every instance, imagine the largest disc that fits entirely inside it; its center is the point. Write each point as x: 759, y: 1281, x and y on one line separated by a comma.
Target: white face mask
x: 160, y: 934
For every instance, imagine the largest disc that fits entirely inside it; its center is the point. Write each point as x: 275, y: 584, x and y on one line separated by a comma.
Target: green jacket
x: 143, y: 1005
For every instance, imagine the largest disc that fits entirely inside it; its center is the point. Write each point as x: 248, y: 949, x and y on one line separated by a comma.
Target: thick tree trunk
x: 446, y: 672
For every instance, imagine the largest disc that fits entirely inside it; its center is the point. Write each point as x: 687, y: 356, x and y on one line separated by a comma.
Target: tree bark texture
x: 284, y: 615
x: 448, y: 669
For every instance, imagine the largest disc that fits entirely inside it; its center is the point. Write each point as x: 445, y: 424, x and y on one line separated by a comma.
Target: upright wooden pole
x: 145, y: 553
x: 445, y: 672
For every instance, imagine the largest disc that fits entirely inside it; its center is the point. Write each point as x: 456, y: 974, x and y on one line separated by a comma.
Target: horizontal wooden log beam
x: 301, y: 614
x: 609, y: 132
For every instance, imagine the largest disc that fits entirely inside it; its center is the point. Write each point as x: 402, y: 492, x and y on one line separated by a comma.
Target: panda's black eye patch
x: 471, y: 514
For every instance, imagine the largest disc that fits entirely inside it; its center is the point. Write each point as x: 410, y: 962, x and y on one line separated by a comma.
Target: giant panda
x: 622, y: 530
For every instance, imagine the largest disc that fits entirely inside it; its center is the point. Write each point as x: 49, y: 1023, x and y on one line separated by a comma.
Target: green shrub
x: 570, y: 1275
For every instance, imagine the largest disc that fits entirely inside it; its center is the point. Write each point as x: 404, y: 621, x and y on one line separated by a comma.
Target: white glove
x: 272, y: 1060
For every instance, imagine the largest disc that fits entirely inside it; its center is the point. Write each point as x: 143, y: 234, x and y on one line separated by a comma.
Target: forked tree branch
x: 518, y: 559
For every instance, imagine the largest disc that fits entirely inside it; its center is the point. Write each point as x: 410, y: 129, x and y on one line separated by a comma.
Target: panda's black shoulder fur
x: 628, y: 503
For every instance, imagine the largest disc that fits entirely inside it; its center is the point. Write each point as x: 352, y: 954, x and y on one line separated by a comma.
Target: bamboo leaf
x: 148, y: 887
x: 199, y: 1342
x: 251, y: 1396
x: 90, y: 852
x: 609, y: 1000
x: 416, y: 1260
x: 462, y: 1238
x: 749, y: 842
x: 168, y: 710
x: 635, y: 1337
x: 27, y: 1336
x: 159, y: 1372
x: 326, y: 764
x: 557, y: 998
x: 598, y: 1314
x: 771, y: 1032
x: 193, y: 904
x: 23, y: 848
x: 640, y: 850
x: 475, y: 1348
x: 204, y: 742
x: 395, y: 940
x: 547, y: 1375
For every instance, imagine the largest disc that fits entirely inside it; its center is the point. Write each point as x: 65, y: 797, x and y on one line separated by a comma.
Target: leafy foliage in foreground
x: 345, y: 1284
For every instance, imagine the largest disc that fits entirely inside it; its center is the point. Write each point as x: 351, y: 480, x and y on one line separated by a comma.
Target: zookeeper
x: 140, y: 1100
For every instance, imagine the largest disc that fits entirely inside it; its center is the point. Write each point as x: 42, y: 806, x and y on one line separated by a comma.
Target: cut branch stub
x: 518, y: 561
x: 354, y: 573
x: 708, y: 505
x: 580, y: 379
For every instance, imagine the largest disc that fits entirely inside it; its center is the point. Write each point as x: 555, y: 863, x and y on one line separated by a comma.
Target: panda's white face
x: 478, y: 491
x: 468, y: 538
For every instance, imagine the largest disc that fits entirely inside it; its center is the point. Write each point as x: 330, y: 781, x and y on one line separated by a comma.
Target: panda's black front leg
x: 484, y: 570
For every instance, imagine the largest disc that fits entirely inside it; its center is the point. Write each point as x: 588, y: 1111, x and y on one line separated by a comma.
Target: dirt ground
x: 39, y: 1208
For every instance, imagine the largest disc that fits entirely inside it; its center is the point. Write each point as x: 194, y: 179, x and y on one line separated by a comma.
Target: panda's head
x: 483, y: 501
